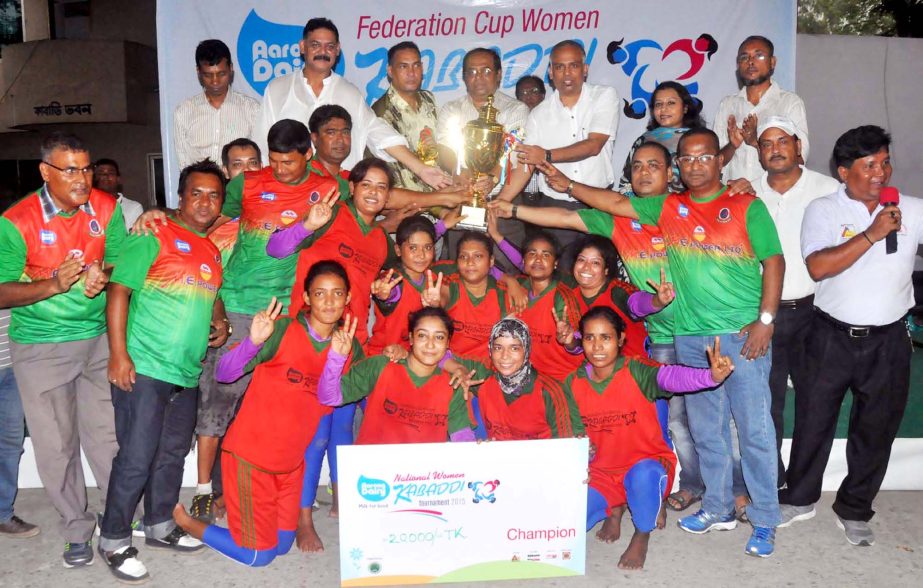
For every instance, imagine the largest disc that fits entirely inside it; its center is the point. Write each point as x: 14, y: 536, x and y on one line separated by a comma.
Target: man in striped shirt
x: 204, y: 123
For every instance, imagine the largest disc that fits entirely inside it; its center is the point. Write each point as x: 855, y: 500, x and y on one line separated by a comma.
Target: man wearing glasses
x: 55, y: 245
x: 740, y: 114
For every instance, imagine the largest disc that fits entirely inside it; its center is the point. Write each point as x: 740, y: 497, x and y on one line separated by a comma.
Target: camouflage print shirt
x: 395, y: 111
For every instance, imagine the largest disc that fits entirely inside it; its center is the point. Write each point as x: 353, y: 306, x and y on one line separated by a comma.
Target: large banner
x: 630, y: 45
x: 459, y: 512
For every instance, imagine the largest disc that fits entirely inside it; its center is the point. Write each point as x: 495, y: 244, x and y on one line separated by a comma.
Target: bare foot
x: 662, y: 517
x: 612, y: 526
x: 220, y: 510
x: 306, y: 537
x: 740, y: 508
x: 194, y: 527
x: 335, y: 507
x: 636, y: 553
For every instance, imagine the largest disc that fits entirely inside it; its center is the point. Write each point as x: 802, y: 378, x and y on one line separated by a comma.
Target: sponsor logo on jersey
x: 182, y: 246
x: 657, y: 243
x: 698, y: 234
x: 314, y: 198
x: 267, y: 196
x: 849, y: 231
x: 76, y: 253
x: 47, y: 237
x: 635, y: 226
x: 724, y: 215
x: 95, y: 229
x: 288, y: 217
x: 346, y: 251
x: 683, y: 210
x: 205, y: 271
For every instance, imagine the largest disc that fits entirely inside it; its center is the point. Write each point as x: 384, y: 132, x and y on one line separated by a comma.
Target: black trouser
x: 789, y: 347
x: 876, y: 367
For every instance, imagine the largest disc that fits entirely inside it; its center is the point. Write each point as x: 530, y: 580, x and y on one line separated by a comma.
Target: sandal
x: 740, y: 512
x: 681, y: 500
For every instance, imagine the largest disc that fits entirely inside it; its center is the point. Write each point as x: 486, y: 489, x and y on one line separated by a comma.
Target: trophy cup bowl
x: 483, y: 149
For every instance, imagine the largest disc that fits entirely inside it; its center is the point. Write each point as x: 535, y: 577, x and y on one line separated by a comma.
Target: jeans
x: 12, y: 429
x: 744, y: 396
x: 154, y: 424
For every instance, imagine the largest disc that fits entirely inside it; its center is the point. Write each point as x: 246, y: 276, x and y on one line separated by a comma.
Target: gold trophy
x: 483, y: 148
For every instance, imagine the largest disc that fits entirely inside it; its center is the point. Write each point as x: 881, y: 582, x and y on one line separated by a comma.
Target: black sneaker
x: 77, y: 555
x: 178, y: 540
x: 203, y: 507
x: 125, y: 565
x: 18, y: 528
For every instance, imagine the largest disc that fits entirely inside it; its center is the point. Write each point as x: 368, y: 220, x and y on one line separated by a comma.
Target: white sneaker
x: 125, y: 565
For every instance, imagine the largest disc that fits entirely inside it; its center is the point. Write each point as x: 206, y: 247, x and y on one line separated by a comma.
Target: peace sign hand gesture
x: 342, y: 339
x: 664, y: 293
x: 721, y: 365
x: 264, y: 321
x: 432, y: 294
x: 321, y: 213
x: 381, y: 288
x: 564, y: 332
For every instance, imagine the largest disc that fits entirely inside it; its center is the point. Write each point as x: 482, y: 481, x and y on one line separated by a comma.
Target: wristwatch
x: 766, y: 318
x: 570, y: 188
x: 548, y: 155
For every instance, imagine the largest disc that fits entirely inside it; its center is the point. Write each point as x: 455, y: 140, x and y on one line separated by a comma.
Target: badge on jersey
x: 849, y: 231
x: 267, y: 196
x: 76, y: 253
x: 314, y: 198
x: 95, y: 229
x: 698, y: 234
x: 724, y: 215
x: 657, y: 243
x: 288, y: 217
x: 635, y: 226
x: 205, y: 271
x: 683, y: 210
x: 47, y: 237
x: 182, y: 246
x: 346, y: 251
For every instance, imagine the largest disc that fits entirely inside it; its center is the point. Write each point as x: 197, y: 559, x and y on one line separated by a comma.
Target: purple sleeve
x: 511, y: 253
x: 231, y: 365
x: 284, y: 243
x: 681, y: 378
x: 440, y: 229
x: 463, y: 435
x: 395, y: 295
x: 641, y: 304
x: 445, y: 358
x: 496, y: 273
x: 329, y: 392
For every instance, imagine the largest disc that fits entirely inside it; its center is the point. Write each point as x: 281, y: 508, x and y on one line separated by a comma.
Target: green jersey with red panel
x: 36, y: 238
x: 174, y: 275
x: 715, y: 245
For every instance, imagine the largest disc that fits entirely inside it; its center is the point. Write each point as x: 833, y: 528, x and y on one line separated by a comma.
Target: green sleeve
x: 459, y: 418
x: 645, y: 375
x: 13, y: 246
x: 553, y: 413
x: 560, y: 304
x: 392, y: 259
x: 357, y: 354
x: 481, y: 370
x: 271, y: 345
x: 454, y: 292
x: 649, y: 209
x: 360, y: 380
x: 135, y: 260
x: 620, y: 300
x: 233, y: 197
x: 597, y: 222
x: 313, y: 237
x: 762, y: 231
x: 115, y: 235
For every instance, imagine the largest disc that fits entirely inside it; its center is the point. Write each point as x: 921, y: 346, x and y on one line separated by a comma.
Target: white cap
x: 782, y: 123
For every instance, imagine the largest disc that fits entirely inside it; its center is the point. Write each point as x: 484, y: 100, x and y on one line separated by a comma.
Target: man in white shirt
x: 574, y: 128
x: 859, y: 340
x: 787, y: 188
x: 206, y: 122
x: 108, y: 178
x: 298, y: 94
x: 739, y: 114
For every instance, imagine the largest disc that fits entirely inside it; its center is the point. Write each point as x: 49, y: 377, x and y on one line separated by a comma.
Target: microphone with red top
x: 890, y: 197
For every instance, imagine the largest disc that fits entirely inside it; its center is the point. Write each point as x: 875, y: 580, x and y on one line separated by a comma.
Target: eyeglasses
x: 687, y: 160
x: 72, y: 172
x: 744, y: 58
x: 473, y: 72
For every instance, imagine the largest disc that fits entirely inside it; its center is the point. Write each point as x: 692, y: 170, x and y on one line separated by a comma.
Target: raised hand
x: 96, y: 280
x: 500, y: 208
x: 529, y: 154
x: 264, y: 321
x: 721, y: 365
x: 395, y: 352
x: 393, y: 217
x: 432, y: 294
x: 749, y: 129
x: 664, y: 293
x: 553, y: 176
x: 452, y: 217
x: 564, y: 332
x: 381, y: 288
x: 435, y: 177
x: 889, y: 219
x: 735, y: 134
x: 68, y: 273
x: 321, y: 213
x: 484, y: 184
x: 465, y: 379
x: 149, y: 221
x: 492, y: 228
x: 342, y: 339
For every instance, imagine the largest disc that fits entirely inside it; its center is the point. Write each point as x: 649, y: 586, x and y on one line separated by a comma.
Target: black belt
x: 797, y: 303
x: 856, y: 332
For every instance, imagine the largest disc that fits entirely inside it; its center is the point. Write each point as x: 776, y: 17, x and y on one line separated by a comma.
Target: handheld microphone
x: 890, y: 197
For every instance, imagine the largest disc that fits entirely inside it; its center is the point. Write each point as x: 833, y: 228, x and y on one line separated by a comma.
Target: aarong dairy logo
x: 288, y: 217
x: 372, y: 489
x: 698, y: 234
x: 657, y: 243
x: 205, y: 271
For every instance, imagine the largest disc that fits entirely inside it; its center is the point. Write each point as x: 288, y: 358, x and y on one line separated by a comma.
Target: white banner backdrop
x: 478, y: 511
x: 630, y: 45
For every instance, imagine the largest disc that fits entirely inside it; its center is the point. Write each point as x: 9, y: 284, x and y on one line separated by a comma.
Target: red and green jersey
x: 644, y: 254
x: 620, y: 415
x: 715, y: 245
x: 360, y: 248
x: 280, y: 412
x: 224, y: 238
x: 548, y: 356
x: 403, y: 407
x: 615, y: 296
x: 473, y: 317
x: 174, y: 275
x: 391, y: 320
x: 35, y: 239
x: 264, y: 205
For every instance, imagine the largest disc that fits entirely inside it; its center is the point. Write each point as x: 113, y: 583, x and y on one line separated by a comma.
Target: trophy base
x: 475, y: 218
